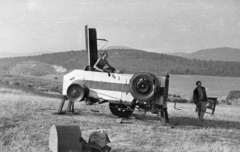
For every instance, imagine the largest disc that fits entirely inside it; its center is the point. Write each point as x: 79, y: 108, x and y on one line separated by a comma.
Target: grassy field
x: 25, y: 121
x: 45, y: 84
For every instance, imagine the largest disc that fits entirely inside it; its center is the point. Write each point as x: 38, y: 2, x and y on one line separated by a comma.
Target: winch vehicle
x: 123, y: 92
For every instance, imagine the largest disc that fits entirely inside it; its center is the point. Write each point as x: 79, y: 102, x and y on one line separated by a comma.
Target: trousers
x: 201, y: 109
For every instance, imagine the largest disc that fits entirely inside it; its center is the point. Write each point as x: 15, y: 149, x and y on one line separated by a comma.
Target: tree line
x: 133, y: 61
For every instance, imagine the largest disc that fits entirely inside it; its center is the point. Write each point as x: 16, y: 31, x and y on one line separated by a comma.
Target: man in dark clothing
x: 200, y: 99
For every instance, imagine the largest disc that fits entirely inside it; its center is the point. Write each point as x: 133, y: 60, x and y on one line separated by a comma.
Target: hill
x: 36, y: 68
x: 117, y: 47
x: 14, y: 54
x: 132, y: 61
x: 214, y: 54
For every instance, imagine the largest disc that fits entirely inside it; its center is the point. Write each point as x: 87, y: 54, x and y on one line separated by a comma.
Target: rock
x: 119, y: 120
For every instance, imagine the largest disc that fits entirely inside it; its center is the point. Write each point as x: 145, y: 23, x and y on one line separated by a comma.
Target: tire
x: 121, y: 110
x: 77, y: 92
x: 142, y: 86
x: 155, y: 77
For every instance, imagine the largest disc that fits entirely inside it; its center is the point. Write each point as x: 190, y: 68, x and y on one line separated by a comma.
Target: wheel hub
x: 143, y: 86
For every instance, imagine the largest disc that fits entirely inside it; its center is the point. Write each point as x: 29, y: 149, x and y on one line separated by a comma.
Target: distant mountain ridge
x: 118, y: 47
x: 13, y: 54
x: 214, y: 54
x: 23, y: 54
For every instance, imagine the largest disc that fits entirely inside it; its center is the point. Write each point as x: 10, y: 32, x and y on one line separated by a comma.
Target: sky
x: 163, y: 26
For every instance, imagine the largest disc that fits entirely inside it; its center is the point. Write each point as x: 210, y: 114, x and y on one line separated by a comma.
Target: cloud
x: 35, y: 5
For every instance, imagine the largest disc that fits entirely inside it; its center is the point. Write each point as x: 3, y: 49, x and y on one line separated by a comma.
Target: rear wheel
x: 121, y: 110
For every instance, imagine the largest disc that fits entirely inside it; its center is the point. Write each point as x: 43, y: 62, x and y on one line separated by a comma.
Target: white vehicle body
x: 112, y: 87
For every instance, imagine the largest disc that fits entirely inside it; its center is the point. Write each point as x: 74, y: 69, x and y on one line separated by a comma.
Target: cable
x: 101, y: 42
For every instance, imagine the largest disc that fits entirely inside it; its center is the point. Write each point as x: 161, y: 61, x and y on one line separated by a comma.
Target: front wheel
x: 121, y: 110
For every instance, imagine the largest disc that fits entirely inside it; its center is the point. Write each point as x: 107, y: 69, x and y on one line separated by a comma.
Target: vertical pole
x: 166, y: 88
x: 87, y: 44
x: 163, y: 116
x: 166, y: 115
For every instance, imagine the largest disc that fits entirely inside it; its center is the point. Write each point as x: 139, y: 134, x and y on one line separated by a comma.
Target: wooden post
x: 64, y: 98
x: 65, y: 138
x: 72, y: 107
x: 69, y: 108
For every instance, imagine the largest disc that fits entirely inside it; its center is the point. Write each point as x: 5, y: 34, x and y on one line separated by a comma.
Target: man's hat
x: 198, y: 82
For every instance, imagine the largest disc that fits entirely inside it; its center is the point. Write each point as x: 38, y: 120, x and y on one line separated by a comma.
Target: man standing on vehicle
x: 200, y: 99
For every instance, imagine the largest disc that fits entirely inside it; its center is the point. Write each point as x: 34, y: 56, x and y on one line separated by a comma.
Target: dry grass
x: 25, y: 120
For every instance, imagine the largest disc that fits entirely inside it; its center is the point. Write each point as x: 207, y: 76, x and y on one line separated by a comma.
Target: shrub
x: 233, y: 95
x: 176, y: 98
x: 229, y: 103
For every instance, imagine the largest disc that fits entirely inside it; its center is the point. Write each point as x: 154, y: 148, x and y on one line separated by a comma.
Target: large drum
x: 65, y: 138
